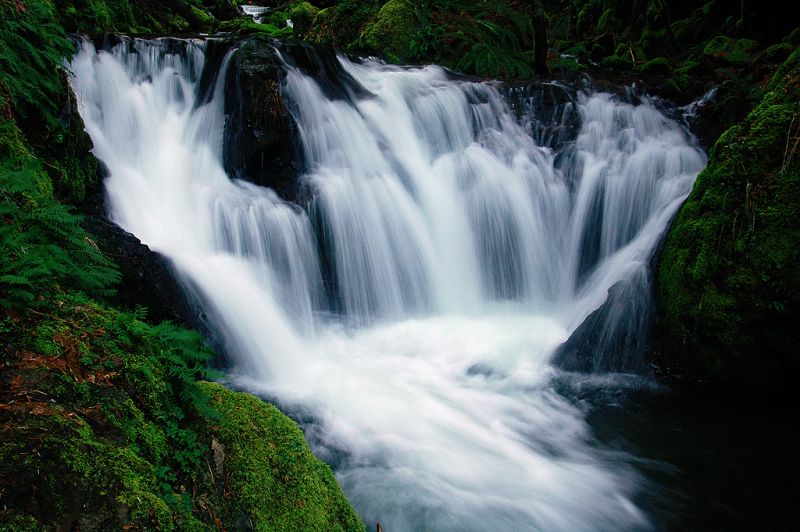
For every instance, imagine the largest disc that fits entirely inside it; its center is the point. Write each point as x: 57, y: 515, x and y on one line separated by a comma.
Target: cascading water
x: 412, y: 307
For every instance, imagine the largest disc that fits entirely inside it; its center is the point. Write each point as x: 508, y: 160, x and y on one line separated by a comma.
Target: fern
x: 32, y: 48
x: 187, y: 359
x: 42, y: 246
x: 488, y: 61
x: 490, y: 39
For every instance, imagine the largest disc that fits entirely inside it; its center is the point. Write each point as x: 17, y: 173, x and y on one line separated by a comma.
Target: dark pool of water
x: 714, y: 460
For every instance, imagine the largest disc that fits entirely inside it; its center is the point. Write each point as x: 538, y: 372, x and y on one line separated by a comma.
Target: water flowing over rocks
x: 410, y: 298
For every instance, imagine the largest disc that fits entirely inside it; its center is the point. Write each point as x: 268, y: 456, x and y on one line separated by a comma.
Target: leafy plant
x: 42, y: 246
x: 32, y: 48
x: 491, y: 39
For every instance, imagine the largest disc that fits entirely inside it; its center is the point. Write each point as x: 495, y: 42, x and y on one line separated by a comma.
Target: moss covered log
x: 728, y: 285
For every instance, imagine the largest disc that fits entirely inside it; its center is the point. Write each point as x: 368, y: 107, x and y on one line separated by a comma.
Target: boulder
x: 260, y: 143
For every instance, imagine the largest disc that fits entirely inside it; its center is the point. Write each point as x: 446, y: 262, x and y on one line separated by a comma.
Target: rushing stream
x: 411, y: 307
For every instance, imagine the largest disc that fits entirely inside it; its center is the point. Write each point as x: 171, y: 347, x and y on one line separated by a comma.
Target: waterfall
x: 411, y: 307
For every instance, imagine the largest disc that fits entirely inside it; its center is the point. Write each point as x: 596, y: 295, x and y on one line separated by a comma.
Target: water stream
x: 412, y: 306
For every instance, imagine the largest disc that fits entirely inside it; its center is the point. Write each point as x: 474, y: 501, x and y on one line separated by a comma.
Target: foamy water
x: 412, y: 307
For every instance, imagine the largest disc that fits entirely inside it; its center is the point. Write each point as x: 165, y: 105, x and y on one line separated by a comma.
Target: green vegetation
x: 278, y: 483
x: 105, y: 421
x: 733, y: 51
x: 391, y: 29
x: 43, y: 249
x: 142, y: 16
x: 106, y: 425
x: 341, y: 24
x: 728, y: 282
x: 98, y: 406
x: 491, y: 39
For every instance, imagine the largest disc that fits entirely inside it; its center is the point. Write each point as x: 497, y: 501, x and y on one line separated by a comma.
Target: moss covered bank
x: 106, y: 421
x: 728, y: 285
x: 106, y: 426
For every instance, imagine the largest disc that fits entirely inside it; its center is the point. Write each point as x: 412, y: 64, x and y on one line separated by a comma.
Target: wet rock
x: 547, y: 110
x: 147, y: 277
x: 613, y: 338
x: 260, y: 142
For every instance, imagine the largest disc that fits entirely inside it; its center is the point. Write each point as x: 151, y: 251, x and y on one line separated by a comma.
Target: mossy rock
x: 119, y: 434
x: 391, y: 31
x: 204, y: 21
x: 302, y: 15
x: 246, y: 26
x: 729, y: 50
x: 341, y: 25
x: 565, y: 62
x: 275, y: 480
x: 659, y: 65
x: 794, y: 37
x: 776, y: 54
x: 728, y: 285
x: 617, y: 63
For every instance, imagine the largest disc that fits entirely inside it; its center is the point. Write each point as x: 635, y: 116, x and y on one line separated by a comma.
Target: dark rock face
x: 612, y: 338
x: 147, y: 277
x: 321, y: 63
x: 547, y: 110
x: 260, y: 143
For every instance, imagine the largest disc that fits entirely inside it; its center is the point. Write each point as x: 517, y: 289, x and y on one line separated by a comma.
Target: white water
x: 454, y: 246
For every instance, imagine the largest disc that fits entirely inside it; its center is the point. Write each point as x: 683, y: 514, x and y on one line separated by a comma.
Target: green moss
x: 246, y: 25
x: 341, y: 25
x: 138, y: 16
x: 276, y: 481
x: 776, y: 54
x: 794, y: 37
x: 659, y: 65
x: 730, y: 50
x: 489, y: 39
x: 302, y: 15
x: 607, y: 22
x: 122, y: 422
x: 617, y: 63
x: 569, y: 63
x: 391, y: 31
x: 203, y: 20
x: 728, y: 299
